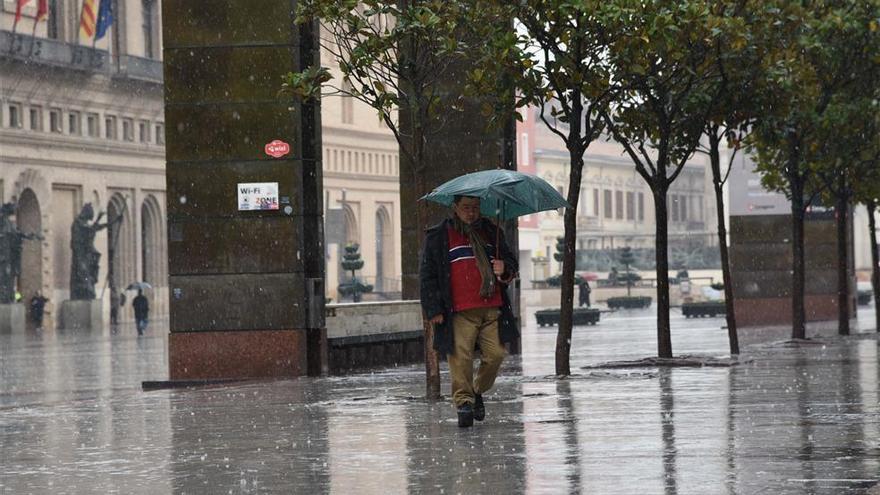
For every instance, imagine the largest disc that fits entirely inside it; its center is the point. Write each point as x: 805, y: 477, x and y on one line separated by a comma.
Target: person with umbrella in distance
x: 465, y: 268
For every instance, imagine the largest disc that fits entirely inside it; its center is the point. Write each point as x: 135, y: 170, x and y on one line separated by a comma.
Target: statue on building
x: 11, y: 240
x: 85, y: 259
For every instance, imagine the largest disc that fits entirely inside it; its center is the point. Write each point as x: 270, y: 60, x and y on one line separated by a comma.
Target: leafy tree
x: 555, y: 59
x: 847, y: 136
x: 737, y: 48
x: 869, y: 193
x: 819, y: 45
x: 845, y: 159
x: 352, y: 262
x: 394, y: 57
x: 661, y: 56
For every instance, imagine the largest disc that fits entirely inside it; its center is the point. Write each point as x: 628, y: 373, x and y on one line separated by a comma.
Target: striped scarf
x: 487, y: 288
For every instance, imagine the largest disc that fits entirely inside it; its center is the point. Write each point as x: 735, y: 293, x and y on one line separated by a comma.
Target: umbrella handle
x: 498, y: 234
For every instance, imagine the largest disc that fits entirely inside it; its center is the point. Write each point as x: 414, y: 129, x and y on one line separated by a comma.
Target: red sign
x: 277, y: 148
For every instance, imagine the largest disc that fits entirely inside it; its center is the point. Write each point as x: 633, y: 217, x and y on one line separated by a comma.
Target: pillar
x: 246, y: 281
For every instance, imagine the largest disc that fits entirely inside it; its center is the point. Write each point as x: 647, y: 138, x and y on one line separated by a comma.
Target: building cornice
x: 362, y: 177
x: 596, y: 159
x: 331, y: 131
x: 67, y: 164
x: 62, y: 142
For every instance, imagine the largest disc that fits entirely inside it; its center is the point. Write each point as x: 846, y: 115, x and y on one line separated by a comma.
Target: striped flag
x: 18, y: 5
x: 42, y: 10
x: 87, y: 19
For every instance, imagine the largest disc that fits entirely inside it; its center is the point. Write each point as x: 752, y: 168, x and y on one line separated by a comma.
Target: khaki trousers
x: 471, y: 326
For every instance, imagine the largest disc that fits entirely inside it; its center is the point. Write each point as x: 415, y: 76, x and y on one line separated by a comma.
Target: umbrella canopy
x: 503, y: 194
x: 138, y: 286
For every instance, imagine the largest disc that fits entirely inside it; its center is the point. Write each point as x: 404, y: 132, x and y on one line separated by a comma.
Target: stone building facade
x: 616, y: 206
x: 361, y: 192
x: 83, y: 123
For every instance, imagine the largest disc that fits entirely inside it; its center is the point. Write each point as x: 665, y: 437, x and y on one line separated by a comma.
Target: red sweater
x: 465, y: 278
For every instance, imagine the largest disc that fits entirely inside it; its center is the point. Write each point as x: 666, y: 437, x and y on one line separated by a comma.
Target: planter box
x: 707, y: 308
x: 629, y: 302
x: 863, y: 297
x: 581, y: 316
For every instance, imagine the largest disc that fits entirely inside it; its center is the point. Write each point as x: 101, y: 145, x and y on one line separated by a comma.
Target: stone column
x: 246, y: 286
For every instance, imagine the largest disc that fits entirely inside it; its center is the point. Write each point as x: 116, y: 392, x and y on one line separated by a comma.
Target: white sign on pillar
x: 257, y: 196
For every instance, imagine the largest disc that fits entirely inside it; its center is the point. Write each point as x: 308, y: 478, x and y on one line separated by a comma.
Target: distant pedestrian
x: 463, y: 296
x: 38, y: 308
x: 584, y: 291
x: 613, y: 276
x: 141, y: 311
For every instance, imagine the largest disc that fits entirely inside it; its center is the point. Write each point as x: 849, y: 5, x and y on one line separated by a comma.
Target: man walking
x: 463, y: 278
x: 38, y: 309
x: 141, y: 311
x: 584, y: 291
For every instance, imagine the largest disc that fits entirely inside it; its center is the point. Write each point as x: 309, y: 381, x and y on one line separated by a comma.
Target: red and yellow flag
x: 87, y: 19
x: 42, y: 10
x: 18, y: 5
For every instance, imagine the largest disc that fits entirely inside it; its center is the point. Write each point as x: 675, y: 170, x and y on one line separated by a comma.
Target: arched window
x: 121, y: 258
x: 151, y: 242
x: 30, y: 221
x: 148, y: 8
x: 352, y: 235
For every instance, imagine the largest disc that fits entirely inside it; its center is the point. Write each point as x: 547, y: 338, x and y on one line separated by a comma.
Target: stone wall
x: 366, y: 335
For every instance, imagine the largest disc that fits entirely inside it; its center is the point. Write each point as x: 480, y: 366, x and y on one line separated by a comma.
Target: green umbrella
x: 504, y: 194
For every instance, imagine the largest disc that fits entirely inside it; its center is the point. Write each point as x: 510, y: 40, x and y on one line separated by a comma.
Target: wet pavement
x: 795, y: 419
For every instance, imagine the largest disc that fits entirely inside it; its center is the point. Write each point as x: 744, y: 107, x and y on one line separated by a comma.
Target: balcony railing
x: 50, y: 52
x: 53, y: 53
x: 140, y: 68
x: 587, y: 222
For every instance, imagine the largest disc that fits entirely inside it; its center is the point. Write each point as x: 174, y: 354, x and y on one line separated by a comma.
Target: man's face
x: 467, y: 209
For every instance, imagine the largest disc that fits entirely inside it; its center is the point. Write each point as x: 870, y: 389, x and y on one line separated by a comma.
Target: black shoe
x: 479, y: 408
x: 465, y: 416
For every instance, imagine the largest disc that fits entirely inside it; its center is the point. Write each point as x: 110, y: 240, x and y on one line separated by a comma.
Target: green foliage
x: 662, y: 57
x: 388, y: 55
x: 626, y: 257
x: 306, y: 84
x: 554, y: 59
x: 351, y: 261
x: 559, y: 255
x: 815, y: 88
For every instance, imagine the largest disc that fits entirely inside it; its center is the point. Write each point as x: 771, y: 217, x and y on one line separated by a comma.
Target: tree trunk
x: 875, y: 260
x: 842, y: 258
x: 798, y: 269
x: 576, y: 159
x: 563, y: 337
x: 432, y: 360
x: 664, y: 338
x: 717, y: 181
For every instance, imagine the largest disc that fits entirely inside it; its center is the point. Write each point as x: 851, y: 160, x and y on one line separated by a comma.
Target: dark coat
x: 436, y: 290
x: 141, y: 307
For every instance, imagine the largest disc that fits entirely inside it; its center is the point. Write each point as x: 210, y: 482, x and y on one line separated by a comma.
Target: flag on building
x: 87, y: 19
x: 18, y: 5
x: 42, y: 9
x: 105, y: 18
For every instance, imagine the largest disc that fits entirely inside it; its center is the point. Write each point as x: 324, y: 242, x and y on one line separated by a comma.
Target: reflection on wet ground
x: 797, y: 419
